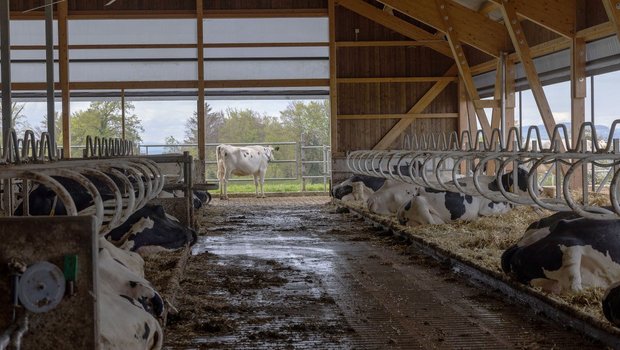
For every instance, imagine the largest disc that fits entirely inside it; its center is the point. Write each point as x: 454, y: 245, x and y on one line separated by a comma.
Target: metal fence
x: 293, y: 162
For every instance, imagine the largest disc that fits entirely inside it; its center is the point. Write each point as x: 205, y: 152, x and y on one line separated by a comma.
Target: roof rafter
x: 613, y: 12
x: 396, y: 24
x: 523, y: 51
x: 475, y: 28
x: 555, y: 15
x: 461, y: 63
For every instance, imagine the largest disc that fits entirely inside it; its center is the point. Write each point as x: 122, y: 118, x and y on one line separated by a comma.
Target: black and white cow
x: 143, y: 231
x: 564, y: 253
x: 242, y: 161
x: 128, y: 305
x: 149, y: 230
x: 390, y: 197
x: 611, y: 304
x: 357, y: 187
x: 199, y: 198
x: 434, y: 207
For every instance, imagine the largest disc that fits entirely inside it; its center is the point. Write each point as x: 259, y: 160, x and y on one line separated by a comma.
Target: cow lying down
x: 129, y: 307
x: 429, y: 206
x: 566, y: 253
x: 150, y: 230
x: 390, y: 197
x: 357, y: 188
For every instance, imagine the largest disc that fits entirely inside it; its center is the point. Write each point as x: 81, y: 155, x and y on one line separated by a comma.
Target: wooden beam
x: 396, y: 24
x: 555, y: 15
x: 419, y: 107
x: 497, y: 95
x: 393, y: 80
x: 398, y: 116
x: 523, y: 50
x: 376, y: 43
x: 200, y: 101
x: 578, y: 86
x: 123, y: 133
x: 486, y: 104
x: 172, y: 46
x: 178, y: 14
x: 267, y: 13
x: 487, y: 8
x: 589, y: 34
x: 333, y: 80
x: 454, y: 41
x: 63, y: 78
x: 511, y: 75
x: 486, y: 35
x: 175, y: 84
x: 612, y: 7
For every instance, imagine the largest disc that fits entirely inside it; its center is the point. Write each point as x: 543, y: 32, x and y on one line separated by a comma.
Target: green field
x: 282, y: 186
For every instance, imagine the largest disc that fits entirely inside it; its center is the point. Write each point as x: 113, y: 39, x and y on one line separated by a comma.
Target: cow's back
x: 242, y: 161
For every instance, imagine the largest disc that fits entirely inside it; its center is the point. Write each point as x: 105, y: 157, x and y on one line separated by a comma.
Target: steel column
x: 49, y: 70
x: 5, y: 68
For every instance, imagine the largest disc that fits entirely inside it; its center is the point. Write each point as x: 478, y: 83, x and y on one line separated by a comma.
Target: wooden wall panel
x: 595, y: 13
x: 475, y: 56
x: 385, y: 98
x: 536, y: 34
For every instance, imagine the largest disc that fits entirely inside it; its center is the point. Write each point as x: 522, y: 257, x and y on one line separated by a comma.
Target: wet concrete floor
x: 297, y: 274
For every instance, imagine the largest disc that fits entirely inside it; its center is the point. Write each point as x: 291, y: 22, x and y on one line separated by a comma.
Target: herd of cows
x: 562, y: 253
x: 130, y: 309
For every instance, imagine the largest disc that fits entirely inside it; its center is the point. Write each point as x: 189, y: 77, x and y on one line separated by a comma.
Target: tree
x: 242, y: 126
x: 308, y: 122
x: 18, y: 120
x: 42, y: 127
x: 172, y: 145
x: 104, y: 119
x: 213, y: 124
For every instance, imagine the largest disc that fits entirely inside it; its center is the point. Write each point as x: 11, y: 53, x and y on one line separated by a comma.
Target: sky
x: 167, y: 118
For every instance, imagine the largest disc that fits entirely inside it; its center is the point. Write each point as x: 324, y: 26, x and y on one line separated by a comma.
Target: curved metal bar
x: 88, y: 185
x: 46, y: 180
x: 114, y: 221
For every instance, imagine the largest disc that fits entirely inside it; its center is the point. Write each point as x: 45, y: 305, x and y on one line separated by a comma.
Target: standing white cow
x: 242, y: 161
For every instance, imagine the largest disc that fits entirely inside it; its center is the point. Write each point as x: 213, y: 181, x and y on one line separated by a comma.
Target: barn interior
x: 421, y: 93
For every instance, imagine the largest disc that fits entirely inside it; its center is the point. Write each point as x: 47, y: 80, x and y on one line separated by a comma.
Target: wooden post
x: 511, y: 73
x: 5, y: 66
x: 63, y: 69
x: 461, y: 62
x: 123, y: 135
x: 333, y: 72
x: 523, y: 52
x: 578, y: 86
x: 49, y: 70
x: 578, y: 100
x: 201, y: 82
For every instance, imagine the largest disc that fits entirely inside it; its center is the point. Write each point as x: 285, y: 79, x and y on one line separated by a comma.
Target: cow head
x: 269, y: 152
x: 150, y: 227
x: 508, y: 181
x: 611, y: 304
x: 346, y: 187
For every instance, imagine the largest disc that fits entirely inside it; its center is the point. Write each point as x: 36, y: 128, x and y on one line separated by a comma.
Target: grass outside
x: 282, y: 186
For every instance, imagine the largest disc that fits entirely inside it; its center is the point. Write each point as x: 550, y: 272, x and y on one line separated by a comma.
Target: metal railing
x: 302, y: 163
x: 497, y: 157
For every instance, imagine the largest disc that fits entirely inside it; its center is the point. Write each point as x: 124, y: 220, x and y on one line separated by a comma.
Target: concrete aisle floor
x: 292, y: 273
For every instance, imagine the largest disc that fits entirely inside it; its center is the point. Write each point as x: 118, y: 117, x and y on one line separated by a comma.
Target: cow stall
x: 62, y: 279
x: 512, y: 171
